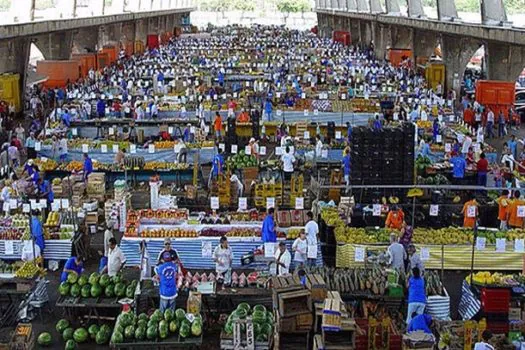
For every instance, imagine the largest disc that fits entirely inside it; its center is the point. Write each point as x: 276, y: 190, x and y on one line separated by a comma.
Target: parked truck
x: 496, y: 95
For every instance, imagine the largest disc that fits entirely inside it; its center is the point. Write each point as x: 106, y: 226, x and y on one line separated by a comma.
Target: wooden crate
x: 317, y: 286
x: 304, y: 321
x: 331, y: 315
x: 294, y: 303
x: 286, y: 284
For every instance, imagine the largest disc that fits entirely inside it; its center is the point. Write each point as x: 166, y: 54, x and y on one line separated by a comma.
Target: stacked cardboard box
x: 96, y: 186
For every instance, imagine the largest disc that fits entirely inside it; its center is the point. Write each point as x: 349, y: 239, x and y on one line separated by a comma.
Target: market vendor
x: 166, y: 274
x: 244, y: 117
x: 37, y: 232
x: 458, y: 170
x: 88, y: 166
x: 414, y: 259
x: 470, y: 212
x: 73, y: 265
x: 288, y: 160
x: 28, y: 168
x: 421, y: 323
x: 223, y: 258
x: 283, y: 259
x: 503, y: 206
x: 168, y: 249
x: 397, y: 253
x: 514, y: 220
x: 181, y: 152
x: 268, y: 233
x: 254, y: 147
x: 395, y: 218
x: 30, y: 250
x: 217, y: 126
x: 45, y: 191
x: 116, y: 259
x: 234, y: 179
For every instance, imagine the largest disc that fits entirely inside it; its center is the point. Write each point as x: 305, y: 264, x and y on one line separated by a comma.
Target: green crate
x: 395, y: 291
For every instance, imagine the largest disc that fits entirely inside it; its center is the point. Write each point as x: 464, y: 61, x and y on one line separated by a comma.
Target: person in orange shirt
x: 470, y: 215
x: 244, y: 117
x: 512, y: 213
x: 468, y: 116
x: 395, y: 218
x: 217, y: 125
x: 503, y: 206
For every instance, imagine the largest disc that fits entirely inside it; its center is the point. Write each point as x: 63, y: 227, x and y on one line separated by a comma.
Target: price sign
x: 306, y: 112
x: 74, y: 131
x: 343, y: 96
x: 481, y: 243
x: 311, y: 251
x: 214, y: 202
x: 132, y: 149
x: 206, y: 249
x: 33, y: 203
x: 26, y: 208
x: 396, y: 116
x: 262, y: 150
x: 376, y: 210
x: 471, y: 211
x: 38, y: 146
x: 234, y: 149
x: 439, y: 139
x: 299, y: 203
x: 448, y: 147
x: 279, y: 151
x: 338, y: 135
x: 55, y: 206
x: 451, y: 118
x: 307, y: 134
x: 316, y: 112
x: 521, y: 211
x: 270, y: 202
x: 247, y: 150
x: 65, y: 203
x: 170, y: 130
x: 501, y: 245
x: 85, y: 148
x: 104, y: 148
x: 243, y: 203
x: 434, y: 210
x: 279, y: 113
x: 359, y: 254
x: 303, y: 95
x: 269, y: 250
x: 13, y: 203
x: 222, y: 146
x: 6, y: 207
x: 111, y: 131
x: 324, y: 153
x: 215, y: 97
x: 151, y: 149
x: 519, y: 245
x: 9, y: 247
x: 425, y: 254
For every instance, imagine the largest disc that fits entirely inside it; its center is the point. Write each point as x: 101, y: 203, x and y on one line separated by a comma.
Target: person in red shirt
x: 482, y: 168
x: 17, y: 143
x: 468, y: 116
x: 117, y: 108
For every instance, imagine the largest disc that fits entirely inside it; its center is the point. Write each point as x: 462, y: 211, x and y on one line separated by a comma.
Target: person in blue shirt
x: 347, y: 162
x: 73, y: 265
x: 218, y: 163
x: 221, y: 78
x: 460, y: 164
x: 44, y: 187
x: 268, y: 233
x: 186, y: 134
x: 160, y: 77
x: 35, y: 176
x: 377, y: 124
x: 424, y: 148
x: 417, y: 298
x: 61, y: 96
x: 36, y: 230
x: 420, y: 323
x: 435, y: 129
x: 167, y: 276
x: 268, y: 108
x: 513, y: 145
x: 349, y: 131
x: 28, y: 168
x: 88, y: 166
x: 101, y: 108
x: 66, y: 118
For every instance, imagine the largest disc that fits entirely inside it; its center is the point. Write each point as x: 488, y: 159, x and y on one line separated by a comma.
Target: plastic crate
x: 495, y: 300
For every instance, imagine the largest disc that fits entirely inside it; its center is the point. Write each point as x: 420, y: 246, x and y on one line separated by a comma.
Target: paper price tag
x: 279, y: 113
x: 206, y: 249
x: 74, y: 131
x: 307, y: 134
x: 55, y: 206
x: 104, y: 148
x: 359, y: 255
x: 448, y: 147
x: 439, y: 139
x: 521, y: 211
x: 222, y: 146
x: 247, y: 150
x: 6, y: 207
x: 299, y: 203
x: 132, y: 149
x: 343, y: 96
x: 32, y: 203
x: 151, y: 148
x: 9, y: 247
x: 306, y: 113
x: 501, y: 245
x: 376, y: 210
x: 85, y: 148
x: 451, y: 118
x: 519, y: 245
x: 324, y: 153
x: 111, y: 131
x: 338, y: 135
x: 13, y: 203
x: 303, y: 95
x: 481, y: 243
x: 234, y: 149
x: 262, y: 150
x: 65, y: 203
x: 434, y: 210
x: 243, y: 203
x: 425, y: 254
x: 38, y: 146
x: 279, y: 151
x: 316, y: 112
x: 269, y: 250
x: 214, y: 202
x: 115, y: 148
x: 26, y: 208
x: 170, y: 130
x: 471, y: 211
x: 270, y: 202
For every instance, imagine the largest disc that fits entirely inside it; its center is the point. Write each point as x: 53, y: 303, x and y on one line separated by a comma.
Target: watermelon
x: 109, y: 291
x: 267, y: 329
x: 259, y: 308
x: 129, y: 332
x: 241, y: 313
x: 180, y: 315
x: 130, y: 291
x: 63, y: 289
x: 104, y: 280
x: 120, y: 290
x: 140, y: 333
x: 256, y: 328
x: 143, y: 316
x: 152, y: 323
x: 62, y: 325
x: 196, y: 329
x: 44, y: 339
x: 105, y: 328
x: 261, y: 337
x: 96, y: 290
x: 244, y: 306
x: 101, y: 337
x: 185, y: 330
x: 70, y: 345
x: 117, y: 338
x: 116, y: 279
x: 228, y: 328
x: 93, y: 330
x: 72, y: 278
x: 125, y: 319
x: 85, y: 291
x: 82, y: 280
x: 151, y: 333
x: 157, y: 315
x: 80, y: 335
x: 119, y: 329
x: 75, y: 290
x: 259, y: 316
x: 93, y: 278
x: 163, y: 329
x: 142, y: 323
x: 68, y: 334
x: 173, y: 326
x: 169, y: 315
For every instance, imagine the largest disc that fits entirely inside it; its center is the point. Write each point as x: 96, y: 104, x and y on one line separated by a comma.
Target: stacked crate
x: 222, y: 188
x: 96, y: 186
x: 263, y: 191
x: 292, y: 304
x: 383, y: 157
x: 495, y: 304
x: 296, y: 189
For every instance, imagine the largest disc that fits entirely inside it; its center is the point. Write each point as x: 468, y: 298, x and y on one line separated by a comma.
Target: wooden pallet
x: 286, y: 284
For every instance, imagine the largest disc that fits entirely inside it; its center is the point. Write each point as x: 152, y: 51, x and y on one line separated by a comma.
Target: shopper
x: 486, y: 337
x: 347, y: 166
x: 513, y: 145
x: 503, y: 206
x: 397, y: 253
x: 420, y: 323
x: 415, y: 260
x: 63, y: 149
x: 88, y: 166
x: 490, y: 123
x: 482, y: 168
x: 217, y: 126
x: 318, y: 147
x: 168, y: 249
x: 268, y: 233
x: 30, y: 146
x: 167, y: 277
x: 282, y: 260
x: 312, y: 231
x: 470, y: 212
x: 395, y: 218
x: 223, y: 258
x: 513, y: 219
x: 416, y: 294
x: 300, y: 249
x: 37, y: 231
x: 116, y: 259
x: 73, y: 265
x: 501, y: 125
x: 287, y: 160
x: 458, y: 170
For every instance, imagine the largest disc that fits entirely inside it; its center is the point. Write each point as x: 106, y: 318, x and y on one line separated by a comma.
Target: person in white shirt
x: 30, y: 251
x: 223, y: 257
x: 312, y: 230
x: 181, y: 152
x: 240, y: 187
x: 116, y: 258
x: 484, y: 344
x: 288, y: 160
x: 318, y: 147
x: 108, y: 234
x: 283, y: 259
x: 467, y: 142
x: 508, y: 160
x: 5, y: 195
x: 300, y: 247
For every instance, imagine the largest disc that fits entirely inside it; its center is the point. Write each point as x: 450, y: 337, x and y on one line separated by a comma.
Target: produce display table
x: 190, y: 250
x: 447, y: 257
x: 55, y: 249
x: 92, y: 308
x: 168, y: 343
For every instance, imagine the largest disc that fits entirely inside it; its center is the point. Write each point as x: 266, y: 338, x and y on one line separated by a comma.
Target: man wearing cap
x: 283, y: 258
x: 167, y: 277
x: 171, y: 252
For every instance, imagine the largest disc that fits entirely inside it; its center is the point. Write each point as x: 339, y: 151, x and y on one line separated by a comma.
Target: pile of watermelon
x: 96, y: 286
x: 241, y: 161
x: 72, y: 337
x: 132, y: 328
x: 262, y: 321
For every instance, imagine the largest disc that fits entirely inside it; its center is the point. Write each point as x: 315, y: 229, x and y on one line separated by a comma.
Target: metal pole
x: 473, y: 251
x: 413, y: 211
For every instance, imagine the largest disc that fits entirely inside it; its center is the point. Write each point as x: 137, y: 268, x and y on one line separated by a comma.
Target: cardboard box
x: 92, y: 218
